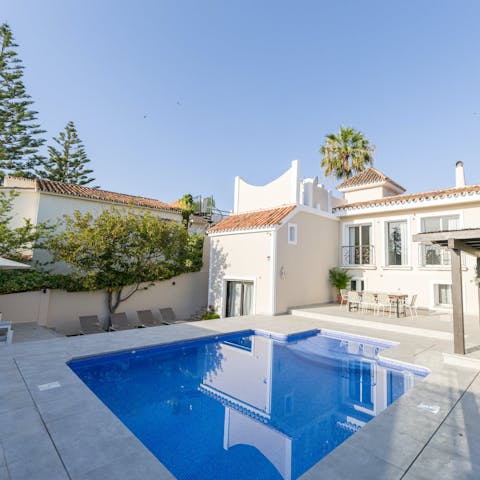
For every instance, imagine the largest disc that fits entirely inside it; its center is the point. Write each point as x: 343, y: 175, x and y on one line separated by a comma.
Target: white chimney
x: 459, y: 175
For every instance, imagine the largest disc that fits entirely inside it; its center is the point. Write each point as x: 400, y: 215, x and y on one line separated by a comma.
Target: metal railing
x: 357, y: 255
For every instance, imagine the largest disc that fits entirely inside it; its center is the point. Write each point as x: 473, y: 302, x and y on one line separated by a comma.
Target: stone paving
x: 66, y: 432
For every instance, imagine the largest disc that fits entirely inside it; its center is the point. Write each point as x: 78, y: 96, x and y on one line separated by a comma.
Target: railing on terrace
x: 357, y: 255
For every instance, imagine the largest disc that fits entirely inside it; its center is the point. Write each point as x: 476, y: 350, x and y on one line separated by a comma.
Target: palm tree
x: 346, y: 153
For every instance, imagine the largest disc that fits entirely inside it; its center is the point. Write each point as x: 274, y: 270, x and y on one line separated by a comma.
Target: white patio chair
x: 369, y: 302
x: 344, y: 298
x: 384, y: 303
x: 353, y: 298
x: 412, y: 306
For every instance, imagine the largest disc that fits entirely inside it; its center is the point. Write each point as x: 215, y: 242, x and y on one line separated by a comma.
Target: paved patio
x: 66, y: 432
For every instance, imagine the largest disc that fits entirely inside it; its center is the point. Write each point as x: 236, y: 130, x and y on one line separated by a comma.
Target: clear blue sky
x: 243, y: 87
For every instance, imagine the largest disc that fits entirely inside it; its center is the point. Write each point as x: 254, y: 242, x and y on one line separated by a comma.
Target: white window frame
x: 237, y: 279
x: 292, y: 226
x: 436, y: 295
x: 346, y: 239
x: 359, y: 279
x: 407, y: 265
x: 420, y: 219
x: 346, y: 242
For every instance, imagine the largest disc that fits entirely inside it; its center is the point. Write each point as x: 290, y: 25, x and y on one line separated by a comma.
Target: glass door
x: 239, y: 298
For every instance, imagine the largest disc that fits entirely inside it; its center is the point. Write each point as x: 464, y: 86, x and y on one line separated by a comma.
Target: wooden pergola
x: 457, y: 241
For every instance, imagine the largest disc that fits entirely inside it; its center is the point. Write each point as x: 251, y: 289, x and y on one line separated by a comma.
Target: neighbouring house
x: 275, y: 251
x: 44, y: 200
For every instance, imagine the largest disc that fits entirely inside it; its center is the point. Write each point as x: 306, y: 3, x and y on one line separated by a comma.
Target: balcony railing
x: 357, y: 255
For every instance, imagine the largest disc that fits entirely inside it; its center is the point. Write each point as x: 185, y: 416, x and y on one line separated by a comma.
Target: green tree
x: 20, y: 133
x: 16, y: 241
x: 346, y: 153
x: 67, y: 161
x: 187, y: 206
x: 119, y: 250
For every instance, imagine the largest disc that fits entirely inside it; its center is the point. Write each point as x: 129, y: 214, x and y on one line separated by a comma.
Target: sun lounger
x: 69, y: 329
x: 120, y: 321
x: 168, y: 316
x: 147, y: 319
x: 90, y: 324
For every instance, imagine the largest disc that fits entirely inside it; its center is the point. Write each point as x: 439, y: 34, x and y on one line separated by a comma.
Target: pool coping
x: 84, y: 439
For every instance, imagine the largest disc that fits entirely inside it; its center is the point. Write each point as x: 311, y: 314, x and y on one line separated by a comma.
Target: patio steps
x: 360, y: 322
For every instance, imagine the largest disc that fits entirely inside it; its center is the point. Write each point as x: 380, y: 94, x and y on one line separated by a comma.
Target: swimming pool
x: 247, y: 405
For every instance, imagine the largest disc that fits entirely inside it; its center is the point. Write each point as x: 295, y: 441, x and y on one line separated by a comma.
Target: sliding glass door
x: 239, y: 298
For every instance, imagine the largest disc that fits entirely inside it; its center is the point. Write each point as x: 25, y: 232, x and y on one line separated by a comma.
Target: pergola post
x: 457, y: 300
x: 478, y: 285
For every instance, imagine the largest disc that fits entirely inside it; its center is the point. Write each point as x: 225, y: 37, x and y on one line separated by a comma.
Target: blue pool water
x: 247, y: 406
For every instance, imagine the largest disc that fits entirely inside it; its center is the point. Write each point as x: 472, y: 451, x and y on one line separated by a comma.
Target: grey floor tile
x: 29, y: 447
x: 23, y: 420
x: 455, y: 440
x: 351, y: 463
x: 15, y: 400
x: 45, y: 469
x: 139, y: 466
x: 89, y: 441
x: 437, y: 464
x: 398, y: 448
x: 4, y: 475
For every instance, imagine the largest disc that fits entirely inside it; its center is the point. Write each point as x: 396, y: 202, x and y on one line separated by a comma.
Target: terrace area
x: 52, y: 426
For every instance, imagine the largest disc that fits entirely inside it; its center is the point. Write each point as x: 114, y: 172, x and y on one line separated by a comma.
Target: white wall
x: 242, y: 256
x: 185, y: 294
x: 283, y: 190
x: 301, y: 275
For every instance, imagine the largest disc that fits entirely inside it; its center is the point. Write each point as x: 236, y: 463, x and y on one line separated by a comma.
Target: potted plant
x: 210, y: 314
x: 340, y: 279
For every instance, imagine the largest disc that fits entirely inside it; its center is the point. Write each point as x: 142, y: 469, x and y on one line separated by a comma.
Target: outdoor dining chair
x: 369, y: 302
x: 412, y: 306
x: 354, y: 300
x: 384, y: 304
x: 344, y: 298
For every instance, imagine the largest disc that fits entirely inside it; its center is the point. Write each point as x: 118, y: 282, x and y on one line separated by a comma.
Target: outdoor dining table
x: 399, y: 299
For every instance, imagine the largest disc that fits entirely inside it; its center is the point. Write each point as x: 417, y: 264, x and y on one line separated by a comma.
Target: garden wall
x: 186, y: 294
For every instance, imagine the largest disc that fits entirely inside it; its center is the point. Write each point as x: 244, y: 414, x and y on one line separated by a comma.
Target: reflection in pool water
x: 247, y: 406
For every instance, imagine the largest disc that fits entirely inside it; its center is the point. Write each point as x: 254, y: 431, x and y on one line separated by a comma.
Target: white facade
x: 44, y: 206
x: 267, y: 267
x: 417, y: 269
x: 369, y: 232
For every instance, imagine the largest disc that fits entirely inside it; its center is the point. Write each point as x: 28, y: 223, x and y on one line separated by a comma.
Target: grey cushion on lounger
x: 168, y: 316
x: 90, y: 324
x: 68, y: 328
x: 147, y: 319
x: 120, y: 321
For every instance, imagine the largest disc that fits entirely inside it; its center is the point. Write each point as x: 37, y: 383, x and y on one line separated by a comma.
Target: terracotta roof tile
x: 367, y: 177
x: 252, y: 220
x: 81, y: 191
x: 395, y: 199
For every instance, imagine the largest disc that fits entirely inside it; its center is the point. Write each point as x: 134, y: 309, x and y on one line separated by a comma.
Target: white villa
x: 275, y: 250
